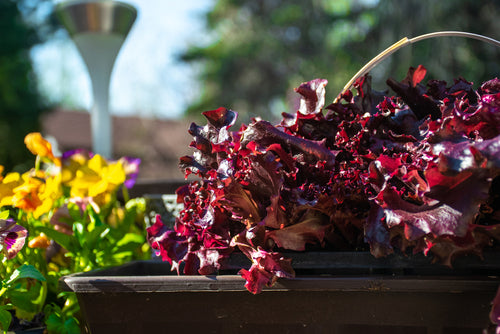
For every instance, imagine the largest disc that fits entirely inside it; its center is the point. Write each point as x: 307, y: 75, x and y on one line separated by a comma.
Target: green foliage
x: 445, y: 58
x: 96, y: 244
x: 68, y: 231
x: 25, y: 271
x: 5, y: 317
x: 61, y: 321
x: 24, y: 292
x: 111, y: 237
x: 263, y: 49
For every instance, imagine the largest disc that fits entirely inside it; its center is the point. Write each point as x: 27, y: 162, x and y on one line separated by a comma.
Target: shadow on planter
x: 334, y: 292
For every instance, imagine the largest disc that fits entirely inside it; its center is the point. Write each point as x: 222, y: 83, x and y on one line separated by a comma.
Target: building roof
x: 159, y: 143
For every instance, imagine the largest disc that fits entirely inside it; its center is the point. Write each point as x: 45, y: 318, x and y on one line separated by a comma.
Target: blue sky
x: 147, y: 80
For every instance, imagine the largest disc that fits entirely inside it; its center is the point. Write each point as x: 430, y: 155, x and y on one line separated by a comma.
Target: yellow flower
x: 96, y: 178
x: 71, y: 162
x: 48, y: 193
x: 33, y: 192
x: 26, y: 195
x: 7, y: 186
x: 38, y: 145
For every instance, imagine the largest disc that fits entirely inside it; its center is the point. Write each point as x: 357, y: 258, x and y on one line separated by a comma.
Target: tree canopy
x: 263, y: 49
x: 20, y: 103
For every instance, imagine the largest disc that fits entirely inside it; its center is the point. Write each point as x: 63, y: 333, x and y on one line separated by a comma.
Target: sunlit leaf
x: 25, y: 271
x: 5, y: 317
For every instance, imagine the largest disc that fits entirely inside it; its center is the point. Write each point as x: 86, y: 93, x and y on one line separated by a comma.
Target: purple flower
x: 131, y: 167
x: 12, y: 237
x: 68, y: 154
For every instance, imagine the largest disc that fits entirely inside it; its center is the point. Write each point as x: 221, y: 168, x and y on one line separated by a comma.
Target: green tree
x: 445, y: 58
x: 265, y: 48
x: 20, y: 103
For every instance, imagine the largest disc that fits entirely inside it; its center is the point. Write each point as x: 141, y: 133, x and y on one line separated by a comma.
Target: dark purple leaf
x: 414, y: 94
x: 313, y: 96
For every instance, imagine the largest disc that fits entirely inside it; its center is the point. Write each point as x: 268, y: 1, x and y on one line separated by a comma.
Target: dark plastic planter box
x: 366, y: 295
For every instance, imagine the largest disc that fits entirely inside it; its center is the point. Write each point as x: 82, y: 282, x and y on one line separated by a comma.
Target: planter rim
x: 155, y: 276
x: 416, y: 284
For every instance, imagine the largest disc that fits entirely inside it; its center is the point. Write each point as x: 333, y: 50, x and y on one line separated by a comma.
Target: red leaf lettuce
x: 414, y: 172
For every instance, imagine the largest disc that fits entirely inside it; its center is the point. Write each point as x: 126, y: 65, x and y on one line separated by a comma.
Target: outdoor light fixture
x: 98, y: 28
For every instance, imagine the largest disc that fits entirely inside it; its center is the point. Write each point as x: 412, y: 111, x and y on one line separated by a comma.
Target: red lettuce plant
x: 368, y: 172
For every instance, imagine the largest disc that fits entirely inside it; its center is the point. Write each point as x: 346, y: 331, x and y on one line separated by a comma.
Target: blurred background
x: 184, y: 57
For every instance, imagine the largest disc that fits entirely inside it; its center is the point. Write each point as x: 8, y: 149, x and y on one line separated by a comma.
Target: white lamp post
x: 98, y: 28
